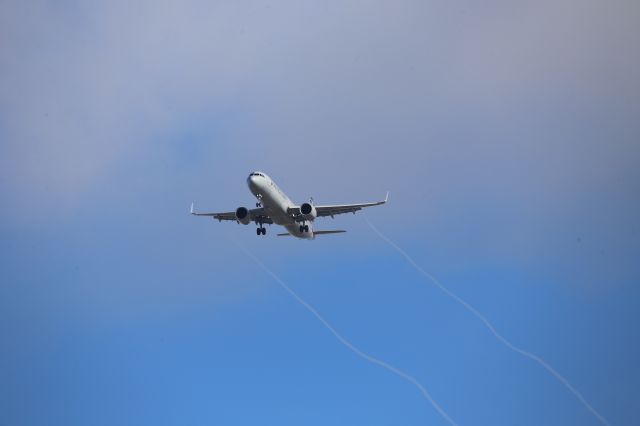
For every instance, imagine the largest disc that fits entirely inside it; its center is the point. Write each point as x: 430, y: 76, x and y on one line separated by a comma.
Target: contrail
x: 347, y: 343
x: 490, y: 326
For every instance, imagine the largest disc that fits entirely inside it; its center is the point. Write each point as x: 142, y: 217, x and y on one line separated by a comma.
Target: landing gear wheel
x: 264, y: 231
x: 258, y: 231
x: 306, y: 228
x: 301, y: 228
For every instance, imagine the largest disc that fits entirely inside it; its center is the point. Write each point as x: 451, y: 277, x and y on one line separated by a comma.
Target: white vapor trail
x: 347, y: 343
x: 490, y: 326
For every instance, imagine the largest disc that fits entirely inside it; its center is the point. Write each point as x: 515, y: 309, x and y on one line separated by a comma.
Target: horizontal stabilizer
x: 328, y: 232
x: 286, y: 234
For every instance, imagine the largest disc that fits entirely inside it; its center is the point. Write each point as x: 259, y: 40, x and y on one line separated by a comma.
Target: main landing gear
x: 304, y: 228
x: 261, y: 231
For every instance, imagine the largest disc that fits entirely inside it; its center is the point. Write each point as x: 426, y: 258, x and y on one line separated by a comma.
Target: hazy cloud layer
x: 524, y: 115
x: 490, y: 90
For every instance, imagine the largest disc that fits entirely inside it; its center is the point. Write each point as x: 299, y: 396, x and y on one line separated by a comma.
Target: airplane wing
x: 332, y: 210
x: 255, y: 215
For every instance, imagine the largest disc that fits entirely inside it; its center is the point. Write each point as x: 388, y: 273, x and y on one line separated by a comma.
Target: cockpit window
x: 257, y: 174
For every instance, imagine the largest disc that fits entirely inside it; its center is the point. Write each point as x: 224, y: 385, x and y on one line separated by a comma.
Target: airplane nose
x: 253, y: 182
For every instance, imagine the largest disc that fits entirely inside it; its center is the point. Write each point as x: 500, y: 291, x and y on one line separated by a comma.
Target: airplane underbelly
x: 276, y: 210
x: 276, y: 207
x: 295, y: 231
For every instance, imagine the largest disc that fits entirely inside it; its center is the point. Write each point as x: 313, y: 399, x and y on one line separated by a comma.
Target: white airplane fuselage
x: 276, y: 204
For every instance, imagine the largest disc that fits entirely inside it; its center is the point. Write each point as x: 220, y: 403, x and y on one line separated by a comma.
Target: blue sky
x: 506, y: 133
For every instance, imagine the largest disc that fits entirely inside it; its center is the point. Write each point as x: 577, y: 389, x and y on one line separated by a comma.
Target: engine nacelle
x: 308, y: 211
x: 243, y: 216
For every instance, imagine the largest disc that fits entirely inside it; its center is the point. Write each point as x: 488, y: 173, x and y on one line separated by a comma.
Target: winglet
x: 387, y: 197
x: 191, y: 211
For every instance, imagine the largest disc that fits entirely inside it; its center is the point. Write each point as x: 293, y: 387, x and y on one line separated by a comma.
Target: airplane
x: 274, y: 206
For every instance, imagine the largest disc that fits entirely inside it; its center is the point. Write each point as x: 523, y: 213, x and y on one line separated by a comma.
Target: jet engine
x: 308, y: 211
x: 243, y: 216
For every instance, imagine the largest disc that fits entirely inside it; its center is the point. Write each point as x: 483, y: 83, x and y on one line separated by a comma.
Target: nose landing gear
x: 304, y: 228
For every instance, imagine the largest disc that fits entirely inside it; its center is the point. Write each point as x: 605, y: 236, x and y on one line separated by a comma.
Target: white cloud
x: 382, y: 91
